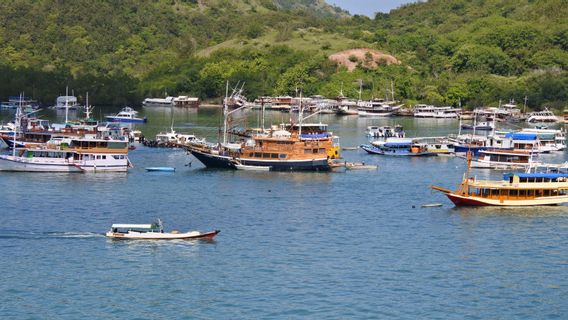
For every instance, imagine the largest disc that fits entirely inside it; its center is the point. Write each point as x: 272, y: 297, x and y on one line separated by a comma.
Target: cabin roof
x: 132, y: 226
x: 507, y: 176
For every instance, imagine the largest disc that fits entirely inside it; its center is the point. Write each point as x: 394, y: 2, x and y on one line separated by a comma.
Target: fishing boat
x: 127, y: 114
x: 155, y: 231
x: 398, y: 147
x: 515, y: 189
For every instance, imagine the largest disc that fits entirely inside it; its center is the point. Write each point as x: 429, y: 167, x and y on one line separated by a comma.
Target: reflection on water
x: 293, y: 244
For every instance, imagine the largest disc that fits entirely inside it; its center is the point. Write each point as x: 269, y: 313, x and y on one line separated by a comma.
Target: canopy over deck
x: 134, y: 226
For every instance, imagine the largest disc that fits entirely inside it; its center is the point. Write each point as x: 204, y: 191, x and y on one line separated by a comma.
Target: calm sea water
x: 349, y: 245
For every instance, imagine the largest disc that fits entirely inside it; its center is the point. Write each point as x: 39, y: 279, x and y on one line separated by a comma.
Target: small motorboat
x: 251, y: 168
x: 127, y: 114
x: 161, y: 169
x: 155, y: 231
x: 360, y: 166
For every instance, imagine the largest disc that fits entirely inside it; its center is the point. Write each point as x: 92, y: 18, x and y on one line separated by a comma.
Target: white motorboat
x: 155, y: 231
x: 69, y: 155
x: 429, y: 111
x: 127, y: 114
x: 542, y: 116
x: 251, y: 168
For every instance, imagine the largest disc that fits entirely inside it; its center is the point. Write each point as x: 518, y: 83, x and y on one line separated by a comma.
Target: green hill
x: 452, y: 51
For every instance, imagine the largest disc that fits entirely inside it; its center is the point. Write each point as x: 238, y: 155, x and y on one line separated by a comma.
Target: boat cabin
x: 125, y: 228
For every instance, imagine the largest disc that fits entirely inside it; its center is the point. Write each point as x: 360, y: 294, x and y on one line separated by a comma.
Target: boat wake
x: 17, y: 234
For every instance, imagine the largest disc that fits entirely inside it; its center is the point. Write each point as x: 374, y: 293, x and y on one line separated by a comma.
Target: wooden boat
x: 516, y: 189
x: 155, y: 231
x: 161, y: 169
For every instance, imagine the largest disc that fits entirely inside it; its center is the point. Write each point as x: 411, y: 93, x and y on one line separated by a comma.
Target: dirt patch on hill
x: 367, y: 58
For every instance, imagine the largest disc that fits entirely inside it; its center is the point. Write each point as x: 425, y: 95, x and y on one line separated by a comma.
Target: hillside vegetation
x: 451, y: 51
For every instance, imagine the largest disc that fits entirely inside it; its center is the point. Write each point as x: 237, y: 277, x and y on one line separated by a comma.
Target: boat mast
x: 87, y: 107
x: 262, y: 110
x: 225, y: 113
x: 525, y: 105
x: 300, y: 115
x: 66, y: 104
x: 17, y: 124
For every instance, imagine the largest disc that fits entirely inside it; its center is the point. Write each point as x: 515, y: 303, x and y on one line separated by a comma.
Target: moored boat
x: 127, y: 114
x: 516, y: 189
x: 398, y: 147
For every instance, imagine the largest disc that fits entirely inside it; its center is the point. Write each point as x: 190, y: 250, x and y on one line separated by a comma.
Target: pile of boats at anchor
x: 74, y: 146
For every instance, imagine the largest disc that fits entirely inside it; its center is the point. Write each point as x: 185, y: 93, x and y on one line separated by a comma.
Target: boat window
x: 308, y: 151
x: 315, y: 151
x: 116, y: 145
x: 322, y: 150
x: 274, y: 155
x: 282, y: 156
x: 258, y: 155
x: 104, y: 156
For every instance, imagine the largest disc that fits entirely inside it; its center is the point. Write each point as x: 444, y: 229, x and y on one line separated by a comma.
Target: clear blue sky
x: 368, y: 7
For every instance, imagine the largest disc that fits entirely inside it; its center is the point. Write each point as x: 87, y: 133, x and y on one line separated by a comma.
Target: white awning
x: 132, y: 226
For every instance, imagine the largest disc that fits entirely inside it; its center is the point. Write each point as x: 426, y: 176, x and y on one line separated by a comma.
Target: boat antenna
x: 525, y: 105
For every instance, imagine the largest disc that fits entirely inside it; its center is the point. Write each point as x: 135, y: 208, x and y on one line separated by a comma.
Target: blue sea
x: 338, y: 245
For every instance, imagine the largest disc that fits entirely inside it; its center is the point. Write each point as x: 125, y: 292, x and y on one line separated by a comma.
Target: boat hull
x: 225, y: 162
x: 8, y: 163
x: 162, y: 235
x: 397, y: 153
x: 131, y: 120
x: 474, y: 201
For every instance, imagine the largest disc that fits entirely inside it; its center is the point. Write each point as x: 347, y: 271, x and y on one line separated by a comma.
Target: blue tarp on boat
x: 397, y: 144
x: 314, y: 135
x: 507, y: 176
x: 521, y: 136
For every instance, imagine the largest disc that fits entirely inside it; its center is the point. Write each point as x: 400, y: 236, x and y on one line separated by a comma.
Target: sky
x: 368, y: 7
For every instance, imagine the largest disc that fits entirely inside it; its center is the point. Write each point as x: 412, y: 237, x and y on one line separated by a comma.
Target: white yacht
x: 158, y: 102
x: 542, y: 116
x: 429, y: 111
x: 70, y: 155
